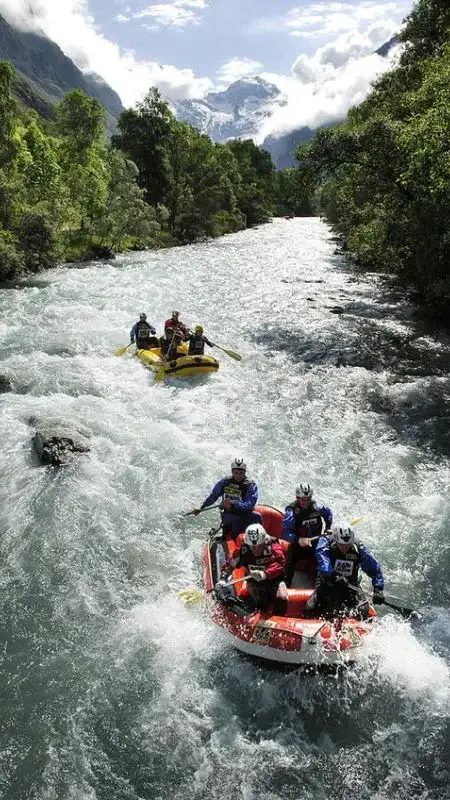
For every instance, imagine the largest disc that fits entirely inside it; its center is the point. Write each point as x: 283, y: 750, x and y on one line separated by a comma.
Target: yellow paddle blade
x: 191, y: 596
x: 232, y: 354
x: 159, y: 376
x: 122, y: 350
x: 355, y: 521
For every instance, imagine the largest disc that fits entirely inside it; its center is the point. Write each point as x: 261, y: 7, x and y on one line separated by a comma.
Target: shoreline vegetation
x: 382, y: 178
x: 68, y: 194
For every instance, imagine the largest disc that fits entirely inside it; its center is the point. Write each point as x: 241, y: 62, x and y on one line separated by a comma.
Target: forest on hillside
x: 67, y: 192
x: 383, y: 177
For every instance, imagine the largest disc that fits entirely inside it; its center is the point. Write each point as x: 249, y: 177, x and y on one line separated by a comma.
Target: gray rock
x: 56, y: 441
x: 335, y: 309
x: 5, y: 384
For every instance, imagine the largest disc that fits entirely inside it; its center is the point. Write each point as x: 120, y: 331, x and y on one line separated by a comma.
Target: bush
x: 226, y: 222
x: 11, y: 262
x: 37, y: 241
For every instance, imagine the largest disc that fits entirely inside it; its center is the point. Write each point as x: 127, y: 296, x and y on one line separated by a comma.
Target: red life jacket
x: 272, y: 560
x: 175, y: 326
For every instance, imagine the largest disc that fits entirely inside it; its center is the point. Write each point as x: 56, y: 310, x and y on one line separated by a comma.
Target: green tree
x: 43, y: 174
x: 81, y: 121
x: 384, y: 176
x: 256, y: 199
x: 144, y: 133
x: 292, y: 195
x: 204, y: 177
x: 8, y: 115
x: 126, y: 214
x: 82, y: 157
x: 9, y: 144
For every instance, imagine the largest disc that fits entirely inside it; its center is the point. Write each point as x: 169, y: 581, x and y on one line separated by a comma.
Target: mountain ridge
x: 234, y: 112
x: 45, y: 74
x: 238, y: 111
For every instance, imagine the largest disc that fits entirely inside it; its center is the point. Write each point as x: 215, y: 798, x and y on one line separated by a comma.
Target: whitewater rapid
x: 111, y: 689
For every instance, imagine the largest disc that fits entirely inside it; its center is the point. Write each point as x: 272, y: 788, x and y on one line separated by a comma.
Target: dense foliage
x: 65, y: 192
x: 384, y: 175
x: 208, y: 189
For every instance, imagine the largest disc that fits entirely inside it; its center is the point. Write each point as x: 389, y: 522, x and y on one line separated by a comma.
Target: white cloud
x: 322, y: 19
x: 236, y: 68
x: 324, y: 86
x: 69, y: 24
x: 339, y: 74
x: 174, y: 14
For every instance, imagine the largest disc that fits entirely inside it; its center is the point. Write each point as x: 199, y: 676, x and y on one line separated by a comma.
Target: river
x: 110, y: 688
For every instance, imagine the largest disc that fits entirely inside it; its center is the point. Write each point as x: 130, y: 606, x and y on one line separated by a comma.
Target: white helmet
x: 304, y: 490
x: 255, y: 535
x: 343, y: 534
x: 238, y: 463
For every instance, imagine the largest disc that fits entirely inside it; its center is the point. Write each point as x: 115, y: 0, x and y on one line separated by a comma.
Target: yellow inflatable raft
x: 182, y: 367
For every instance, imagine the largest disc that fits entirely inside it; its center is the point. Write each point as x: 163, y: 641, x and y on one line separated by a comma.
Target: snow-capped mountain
x: 235, y: 112
x: 239, y: 110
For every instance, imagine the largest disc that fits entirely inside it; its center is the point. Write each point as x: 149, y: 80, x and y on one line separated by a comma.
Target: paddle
x: 230, y: 353
x: 200, y: 511
x: 122, y: 350
x: 162, y: 370
x: 404, y: 611
x: 193, y: 596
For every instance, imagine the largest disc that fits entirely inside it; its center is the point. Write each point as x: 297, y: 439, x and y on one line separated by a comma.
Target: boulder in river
x: 5, y: 384
x: 335, y: 309
x: 101, y: 252
x: 56, y: 441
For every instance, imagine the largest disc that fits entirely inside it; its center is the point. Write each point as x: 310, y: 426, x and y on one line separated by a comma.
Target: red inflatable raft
x: 290, y: 639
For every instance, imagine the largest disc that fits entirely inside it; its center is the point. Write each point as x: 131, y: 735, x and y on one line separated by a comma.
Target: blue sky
x: 206, y: 34
x: 224, y: 30
x: 318, y: 52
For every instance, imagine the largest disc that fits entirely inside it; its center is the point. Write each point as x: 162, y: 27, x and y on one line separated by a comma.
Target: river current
x: 110, y: 688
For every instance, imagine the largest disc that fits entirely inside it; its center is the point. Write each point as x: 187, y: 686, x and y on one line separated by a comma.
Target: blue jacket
x: 369, y: 565
x: 289, y: 527
x: 249, y: 495
x: 133, y: 332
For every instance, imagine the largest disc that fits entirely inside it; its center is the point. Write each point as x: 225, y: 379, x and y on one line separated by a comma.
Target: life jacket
x: 346, y: 564
x: 196, y: 345
x: 248, y: 559
x: 168, y: 346
x: 308, y: 521
x: 235, y: 491
x: 175, y: 326
x: 143, y: 331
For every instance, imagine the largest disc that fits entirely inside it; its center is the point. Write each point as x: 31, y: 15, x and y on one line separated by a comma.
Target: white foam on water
x: 124, y: 692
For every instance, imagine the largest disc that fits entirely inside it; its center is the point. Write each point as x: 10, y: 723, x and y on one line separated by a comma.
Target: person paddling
x: 197, y: 342
x: 143, y: 334
x: 339, y: 559
x: 239, y: 498
x: 175, y: 324
x: 263, y: 559
x: 303, y: 524
x: 169, y: 345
